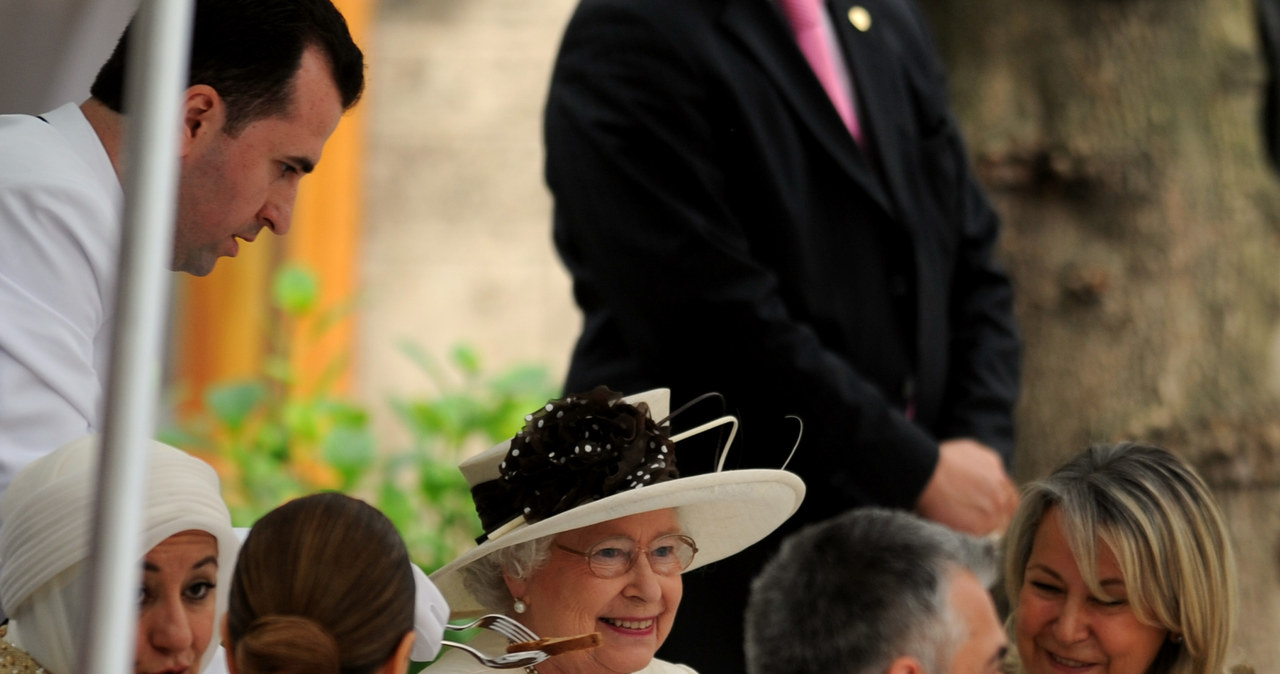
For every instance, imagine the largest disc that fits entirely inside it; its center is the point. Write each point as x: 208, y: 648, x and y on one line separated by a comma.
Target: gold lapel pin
x: 860, y: 18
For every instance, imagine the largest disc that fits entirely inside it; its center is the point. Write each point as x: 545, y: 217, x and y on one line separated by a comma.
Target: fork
x: 508, y: 627
x: 504, y: 661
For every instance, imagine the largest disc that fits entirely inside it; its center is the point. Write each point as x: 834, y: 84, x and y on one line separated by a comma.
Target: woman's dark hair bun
x: 336, y: 561
x: 287, y: 644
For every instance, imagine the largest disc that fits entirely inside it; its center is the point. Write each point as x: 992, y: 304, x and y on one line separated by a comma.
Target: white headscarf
x: 430, y: 614
x: 47, y: 515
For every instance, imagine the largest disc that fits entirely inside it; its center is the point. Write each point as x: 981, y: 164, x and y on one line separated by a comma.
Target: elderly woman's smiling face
x: 633, y: 612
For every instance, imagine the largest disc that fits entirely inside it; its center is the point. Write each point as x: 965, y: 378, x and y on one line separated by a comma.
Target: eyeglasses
x: 668, y: 555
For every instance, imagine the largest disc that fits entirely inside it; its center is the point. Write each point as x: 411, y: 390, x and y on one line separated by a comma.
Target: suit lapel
x: 763, y: 32
x: 880, y: 92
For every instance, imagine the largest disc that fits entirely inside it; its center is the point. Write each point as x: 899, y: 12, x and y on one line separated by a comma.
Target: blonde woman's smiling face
x: 633, y: 612
x: 1062, y: 627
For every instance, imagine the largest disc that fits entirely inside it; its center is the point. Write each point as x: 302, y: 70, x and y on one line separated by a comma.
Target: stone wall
x: 458, y: 244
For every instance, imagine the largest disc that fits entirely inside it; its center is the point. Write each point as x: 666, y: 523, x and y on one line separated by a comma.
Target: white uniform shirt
x: 60, y: 223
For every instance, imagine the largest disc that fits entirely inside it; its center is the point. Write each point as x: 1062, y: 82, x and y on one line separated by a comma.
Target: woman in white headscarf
x: 187, y: 554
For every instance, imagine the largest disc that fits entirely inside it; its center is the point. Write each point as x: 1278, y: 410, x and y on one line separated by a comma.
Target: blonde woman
x: 1119, y: 563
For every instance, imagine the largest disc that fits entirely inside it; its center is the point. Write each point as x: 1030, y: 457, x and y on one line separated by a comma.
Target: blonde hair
x: 1163, y: 525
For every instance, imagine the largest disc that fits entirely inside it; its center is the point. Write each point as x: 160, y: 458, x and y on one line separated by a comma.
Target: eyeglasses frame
x: 639, y: 548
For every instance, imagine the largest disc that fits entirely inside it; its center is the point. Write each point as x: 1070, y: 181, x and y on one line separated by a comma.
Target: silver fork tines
x: 507, y: 627
x: 504, y: 661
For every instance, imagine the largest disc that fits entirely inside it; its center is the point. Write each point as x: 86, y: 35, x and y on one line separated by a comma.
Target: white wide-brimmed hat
x: 724, y: 512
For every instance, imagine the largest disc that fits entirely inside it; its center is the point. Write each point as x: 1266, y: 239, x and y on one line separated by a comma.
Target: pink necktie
x: 805, y: 17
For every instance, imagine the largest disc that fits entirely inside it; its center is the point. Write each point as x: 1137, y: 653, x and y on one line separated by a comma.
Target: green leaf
x: 422, y: 418
x: 458, y: 415
x: 345, y: 414
x: 233, y: 403
x: 296, y: 289
x: 302, y: 420
x: 395, y: 504
x: 466, y: 358
x: 438, y: 480
x: 186, y: 437
x: 425, y: 362
x: 350, y: 451
x: 272, y: 441
x: 524, y: 380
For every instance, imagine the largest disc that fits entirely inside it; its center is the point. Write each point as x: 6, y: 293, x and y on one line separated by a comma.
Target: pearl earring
x: 520, y: 606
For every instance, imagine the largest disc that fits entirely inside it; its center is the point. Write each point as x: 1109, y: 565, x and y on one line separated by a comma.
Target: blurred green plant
x: 272, y: 439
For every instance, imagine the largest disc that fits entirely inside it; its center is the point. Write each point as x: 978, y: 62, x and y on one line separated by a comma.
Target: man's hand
x: 969, y: 490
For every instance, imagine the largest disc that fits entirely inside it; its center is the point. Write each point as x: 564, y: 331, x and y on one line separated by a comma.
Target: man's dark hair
x: 854, y: 592
x: 249, y: 51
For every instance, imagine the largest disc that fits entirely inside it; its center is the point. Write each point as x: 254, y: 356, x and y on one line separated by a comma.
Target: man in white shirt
x: 268, y: 82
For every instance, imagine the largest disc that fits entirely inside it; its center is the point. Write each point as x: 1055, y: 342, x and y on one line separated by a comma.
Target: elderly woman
x: 1120, y: 562
x: 187, y: 552
x: 324, y: 585
x: 588, y: 527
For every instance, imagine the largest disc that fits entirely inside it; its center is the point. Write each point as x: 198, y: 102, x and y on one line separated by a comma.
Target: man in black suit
x: 726, y: 232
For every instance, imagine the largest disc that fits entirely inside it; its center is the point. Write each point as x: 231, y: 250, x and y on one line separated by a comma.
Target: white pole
x: 159, y: 51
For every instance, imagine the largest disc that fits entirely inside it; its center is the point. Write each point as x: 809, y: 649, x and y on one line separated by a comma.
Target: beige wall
x: 458, y: 245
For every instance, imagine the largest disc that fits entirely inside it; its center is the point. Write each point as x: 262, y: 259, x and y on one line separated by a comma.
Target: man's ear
x: 905, y: 664
x: 203, y: 112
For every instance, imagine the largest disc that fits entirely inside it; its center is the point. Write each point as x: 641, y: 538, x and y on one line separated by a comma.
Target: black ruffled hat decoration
x: 575, y: 450
x: 524, y: 493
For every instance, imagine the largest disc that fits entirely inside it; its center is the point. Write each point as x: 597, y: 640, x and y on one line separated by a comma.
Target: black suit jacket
x: 725, y: 233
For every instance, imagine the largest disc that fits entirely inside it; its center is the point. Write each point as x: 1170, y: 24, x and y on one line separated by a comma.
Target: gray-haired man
x: 876, y: 591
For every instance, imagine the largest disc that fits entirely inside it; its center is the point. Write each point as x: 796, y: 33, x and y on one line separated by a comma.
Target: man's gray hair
x: 856, y: 591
